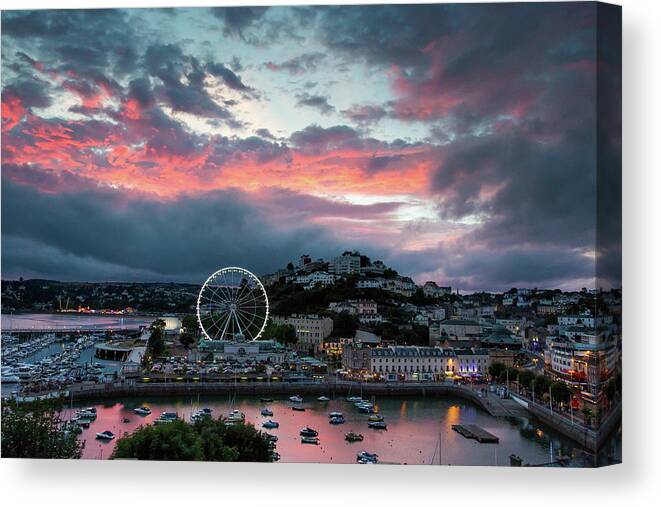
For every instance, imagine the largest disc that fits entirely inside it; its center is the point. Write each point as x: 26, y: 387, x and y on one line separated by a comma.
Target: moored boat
x: 323, y: 398
x: 367, y: 457
x: 308, y: 432
x: 235, y: 416
x: 375, y: 418
x: 337, y: 420
x: 296, y: 399
x: 270, y: 424
x: 105, y: 435
x: 298, y: 409
x: 310, y: 440
x: 377, y: 425
x: 166, y: 418
x: 267, y: 412
x: 353, y: 437
x: 142, y: 411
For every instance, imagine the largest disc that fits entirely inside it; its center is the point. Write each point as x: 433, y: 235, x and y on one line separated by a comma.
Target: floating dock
x: 474, y: 431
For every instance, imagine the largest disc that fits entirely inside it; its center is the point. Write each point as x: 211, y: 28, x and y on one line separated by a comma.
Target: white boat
x: 270, y: 424
x: 201, y: 414
x: 235, y: 416
x: 296, y: 399
x: 335, y: 414
x: 323, y: 398
x: 142, y: 411
x: 354, y: 398
x: 166, y: 418
x: 367, y: 457
x: 310, y: 440
x: 377, y: 425
x: 105, y: 435
x: 85, y: 414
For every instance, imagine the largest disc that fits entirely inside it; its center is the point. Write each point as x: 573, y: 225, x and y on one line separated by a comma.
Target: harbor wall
x: 80, y: 393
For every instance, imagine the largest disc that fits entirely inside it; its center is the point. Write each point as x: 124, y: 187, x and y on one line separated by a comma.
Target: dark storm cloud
x: 365, y: 114
x: 301, y: 64
x: 315, y: 101
x: 484, y: 269
x: 186, y: 238
x: 236, y: 20
x: 170, y: 65
x: 298, y: 206
x: 229, y: 78
x: 31, y: 92
x: 316, y: 140
x: 77, y: 40
x: 531, y: 193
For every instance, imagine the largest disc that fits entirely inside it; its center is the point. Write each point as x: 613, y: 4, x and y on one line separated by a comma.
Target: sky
x: 456, y: 143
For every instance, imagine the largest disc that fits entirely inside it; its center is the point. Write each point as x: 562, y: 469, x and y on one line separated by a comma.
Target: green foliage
x: 420, y: 299
x: 282, y: 333
x: 187, y: 339
x: 190, y: 325
x: 36, y: 430
x: 344, y: 325
x: 560, y: 392
x: 156, y: 342
x: 496, y: 368
x: 525, y: 378
x: 206, y: 440
x: 541, y: 385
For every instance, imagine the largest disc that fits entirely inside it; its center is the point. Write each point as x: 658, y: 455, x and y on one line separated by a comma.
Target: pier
x: 475, y: 432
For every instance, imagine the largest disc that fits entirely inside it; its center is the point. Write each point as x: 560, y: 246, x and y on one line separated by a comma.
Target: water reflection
x: 415, y: 429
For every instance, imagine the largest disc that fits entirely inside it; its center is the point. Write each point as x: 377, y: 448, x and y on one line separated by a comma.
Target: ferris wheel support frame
x: 234, y: 314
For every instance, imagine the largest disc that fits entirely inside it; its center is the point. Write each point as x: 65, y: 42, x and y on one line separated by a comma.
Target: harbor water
x: 69, y: 321
x: 419, y: 430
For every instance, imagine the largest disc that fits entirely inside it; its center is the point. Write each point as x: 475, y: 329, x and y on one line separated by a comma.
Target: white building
x: 453, y: 329
x: 369, y: 283
x: 310, y: 329
x: 316, y: 279
x: 346, y: 264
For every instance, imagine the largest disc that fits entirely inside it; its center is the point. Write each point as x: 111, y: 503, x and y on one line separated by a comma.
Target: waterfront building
x: 310, y: 330
x: 506, y: 357
x: 401, y: 363
x: 258, y: 351
x: 356, y: 358
x: 471, y: 361
x: 586, y: 359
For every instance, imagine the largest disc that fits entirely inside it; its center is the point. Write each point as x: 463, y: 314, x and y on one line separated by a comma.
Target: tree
x: 186, y: 339
x: 344, y: 325
x: 541, y: 385
x: 189, y: 324
x: 495, y: 369
x: 282, y: 333
x: 205, y: 440
x: 525, y: 378
x: 156, y: 342
x: 560, y: 391
x: 36, y: 430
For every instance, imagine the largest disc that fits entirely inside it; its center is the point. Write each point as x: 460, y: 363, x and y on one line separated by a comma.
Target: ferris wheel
x: 232, y: 305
